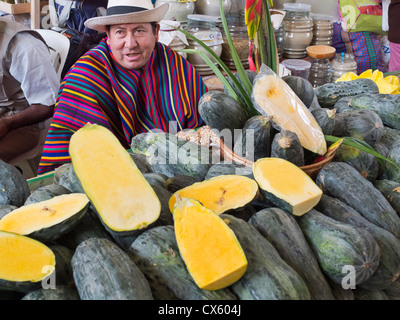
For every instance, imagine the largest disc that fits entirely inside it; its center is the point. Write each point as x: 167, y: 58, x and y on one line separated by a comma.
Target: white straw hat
x: 127, y: 11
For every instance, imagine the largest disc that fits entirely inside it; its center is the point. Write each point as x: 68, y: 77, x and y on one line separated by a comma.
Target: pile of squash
x: 171, y: 218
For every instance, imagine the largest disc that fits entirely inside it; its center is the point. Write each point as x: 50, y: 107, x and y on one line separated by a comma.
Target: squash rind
x: 275, y: 98
x: 220, y: 193
x: 268, y: 276
x: 337, y: 244
x: 24, y: 260
x: 300, y: 193
x: 123, y: 199
x: 103, y: 271
x: 156, y: 253
x: 281, y: 229
x: 58, y: 217
x: 208, y: 246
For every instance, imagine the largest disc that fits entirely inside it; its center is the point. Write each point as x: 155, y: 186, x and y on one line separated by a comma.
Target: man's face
x: 132, y: 44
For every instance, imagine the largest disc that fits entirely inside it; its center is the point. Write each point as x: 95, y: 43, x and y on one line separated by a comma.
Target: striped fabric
x: 164, y: 93
x: 365, y: 47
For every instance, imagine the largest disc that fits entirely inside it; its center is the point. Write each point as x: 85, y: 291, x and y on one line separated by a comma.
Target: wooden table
x: 35, y: 14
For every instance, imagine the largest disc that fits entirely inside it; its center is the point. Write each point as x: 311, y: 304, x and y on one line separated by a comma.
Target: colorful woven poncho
x: 163, y: 94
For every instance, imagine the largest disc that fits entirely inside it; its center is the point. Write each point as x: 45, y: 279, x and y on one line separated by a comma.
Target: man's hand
x: 34, y: 114
x: 4, y: 127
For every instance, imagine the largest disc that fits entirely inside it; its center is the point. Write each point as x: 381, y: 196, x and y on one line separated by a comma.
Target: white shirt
x: 29, y: 62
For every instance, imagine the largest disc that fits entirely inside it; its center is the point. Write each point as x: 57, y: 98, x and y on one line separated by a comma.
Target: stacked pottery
x: 204, y: 28
x: 323, y: 29
x: 298, y: 30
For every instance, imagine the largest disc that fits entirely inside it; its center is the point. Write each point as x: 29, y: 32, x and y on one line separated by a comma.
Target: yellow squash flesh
x: 24, y: 259
x: 209, y: 248
x: 220, y: 193
x: 277, y: 100
x: 37, y: 216
x: 286, y: 185
x: 123, y: 198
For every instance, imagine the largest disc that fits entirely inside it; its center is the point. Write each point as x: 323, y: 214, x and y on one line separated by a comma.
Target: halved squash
x: 221, y: 193
x: 209, y: 248
x: 276, y: 99
x: 49, y: 219
x: 24, y: 262
x: 122, y: 197
x: 286, y: 185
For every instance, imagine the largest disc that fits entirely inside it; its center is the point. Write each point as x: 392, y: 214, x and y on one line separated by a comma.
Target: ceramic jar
x: 211, y: 7
x: 298, y: 30
x: 278, y: 4
x: 342, y: 64
x: 171, y: 37
x: 178, y: 10
x: 204, y: 28
x: 323, y: 30
x: 238, y: 33
x: 320, y: 72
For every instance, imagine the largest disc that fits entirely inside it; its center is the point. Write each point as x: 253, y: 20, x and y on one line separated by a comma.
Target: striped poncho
x: 163, y: 94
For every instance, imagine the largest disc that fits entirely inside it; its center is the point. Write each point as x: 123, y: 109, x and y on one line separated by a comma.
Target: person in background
x: 394, y: 35
x: 130, y: 83
x: 28, y: 88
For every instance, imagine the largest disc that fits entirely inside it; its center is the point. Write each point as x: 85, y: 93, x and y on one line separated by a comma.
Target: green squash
x: 172, y: 156
x: 268, y: 276
x: 173, y: 184
x: 365, y: 125
x: 364, y: 294
x: 391, y: 191
x: 228, y: 167
x: 343, y: 105
x: 46, y: 192
x: 388, y: 270
x: 222, y: 112
x: 14, y: 188
x: 60, y: 292
x: 47, y: 220
x: 103, y: 271
x: 304, y: 90
x: 387, y: 106
x: 156, y: 253
x: 392, y: 172
x: 365, y: 163
x: 390, y: 137
x: 337, y: 245
x: 255, y: 138
x: 24, y: 263
x: 89, y: 226
x: 330, y: 93
x: 286, y: 145
x: 326, y: 119
x: 63, y: 270
x: 284, y: 233
x: 393, y: 291
x: 342, y: 181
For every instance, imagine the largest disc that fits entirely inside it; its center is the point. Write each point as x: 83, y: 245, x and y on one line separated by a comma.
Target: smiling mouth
x: 132, y: 55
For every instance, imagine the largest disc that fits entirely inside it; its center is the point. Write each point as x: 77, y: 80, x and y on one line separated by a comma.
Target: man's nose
x: 130, y: 41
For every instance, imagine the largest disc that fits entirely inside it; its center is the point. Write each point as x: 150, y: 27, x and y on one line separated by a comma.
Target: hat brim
x: 99, y: 23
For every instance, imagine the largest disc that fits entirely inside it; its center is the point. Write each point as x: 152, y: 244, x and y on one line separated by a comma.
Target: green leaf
x: 235, y: 56
x: 362, y: 146
x: 213, y: 67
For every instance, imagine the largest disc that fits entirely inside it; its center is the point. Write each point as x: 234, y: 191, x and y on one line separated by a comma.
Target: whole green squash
x: 339, y: 245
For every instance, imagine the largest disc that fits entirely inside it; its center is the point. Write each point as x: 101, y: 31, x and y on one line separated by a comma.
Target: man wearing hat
x: 130, y: 83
